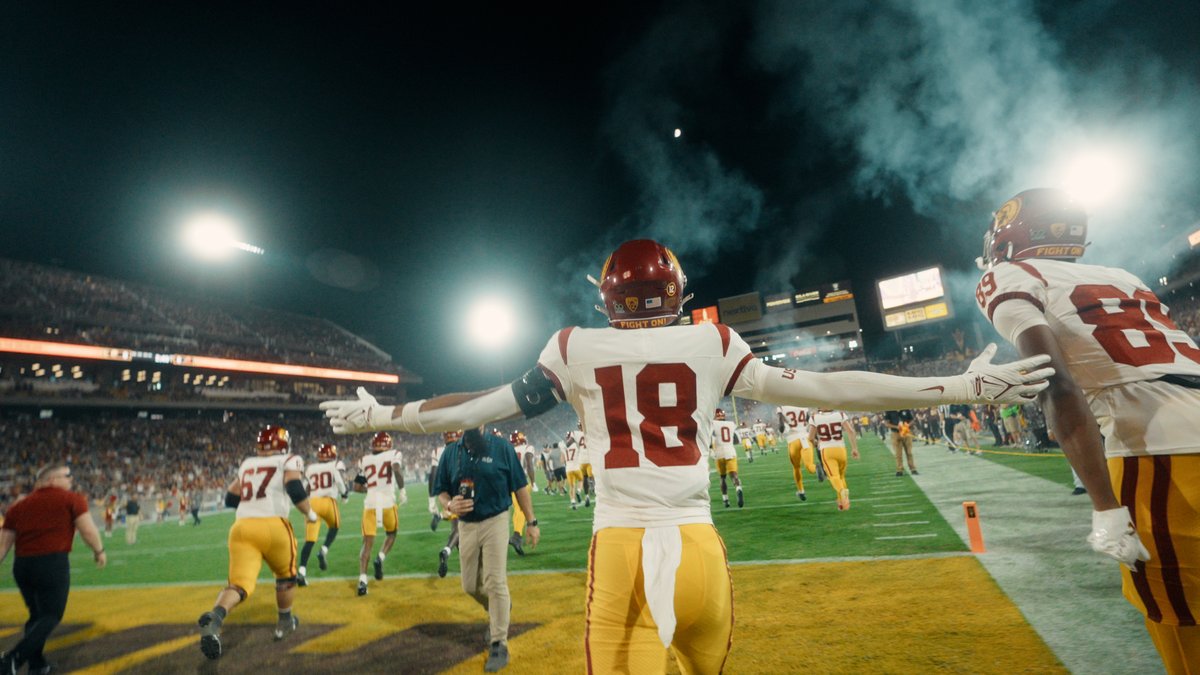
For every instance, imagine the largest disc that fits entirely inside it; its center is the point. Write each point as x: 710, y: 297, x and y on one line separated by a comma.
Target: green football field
x: 835, y: 582
x: 774, y: 525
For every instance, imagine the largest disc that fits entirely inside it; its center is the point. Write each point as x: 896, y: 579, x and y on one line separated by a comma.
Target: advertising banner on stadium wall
x: 740, y: 308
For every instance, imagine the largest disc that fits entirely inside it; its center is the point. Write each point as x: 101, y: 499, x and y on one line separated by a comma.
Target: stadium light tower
x: 213, y: 236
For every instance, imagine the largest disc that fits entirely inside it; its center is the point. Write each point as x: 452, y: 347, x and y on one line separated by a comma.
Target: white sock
x: 446, y: 550
x: 303, y: 571
x: 324, y: 550
x: 739, y: 488
x: 362, y: 578
x: 381, y: 556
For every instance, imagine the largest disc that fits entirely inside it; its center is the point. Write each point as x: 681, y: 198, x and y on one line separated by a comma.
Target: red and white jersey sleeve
x: 645, y: 398
x: 263, y: 494
x: 1117, y: 339
x: 723, y: 433
x: 795, y: 423
x: 381, y: 483
x: 324, y: 480
x: 828, y: 424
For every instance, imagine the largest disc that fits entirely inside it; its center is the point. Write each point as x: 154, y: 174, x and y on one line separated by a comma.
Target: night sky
x: 396, y: 162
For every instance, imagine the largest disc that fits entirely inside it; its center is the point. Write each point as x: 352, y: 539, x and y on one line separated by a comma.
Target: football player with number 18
x: 1127, y: 389
x: 644, y: 390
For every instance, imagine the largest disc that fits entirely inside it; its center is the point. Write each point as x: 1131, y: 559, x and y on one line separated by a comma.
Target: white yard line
x: 909, y: 536
x: 1034, y: 532
x: 902, y: 524
x: 898, y: 513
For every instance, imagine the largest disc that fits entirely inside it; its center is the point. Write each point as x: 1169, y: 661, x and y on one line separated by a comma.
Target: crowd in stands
x: 160, y: 457
x: 52, y: 304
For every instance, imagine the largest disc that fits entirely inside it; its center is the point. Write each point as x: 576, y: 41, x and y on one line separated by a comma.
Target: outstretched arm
x: 861, y: 390
x: 531, y: 395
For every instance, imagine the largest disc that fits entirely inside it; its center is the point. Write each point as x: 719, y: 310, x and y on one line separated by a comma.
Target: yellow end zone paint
x: 913, y: 615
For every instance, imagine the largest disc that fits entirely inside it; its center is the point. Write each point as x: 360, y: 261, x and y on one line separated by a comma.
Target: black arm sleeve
x: 232, y: 500
x: 534, y: 393
x: 295, y: 490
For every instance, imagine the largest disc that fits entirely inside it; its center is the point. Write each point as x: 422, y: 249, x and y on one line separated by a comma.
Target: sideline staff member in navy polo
x: 476, y: 479
x: 42, y: 526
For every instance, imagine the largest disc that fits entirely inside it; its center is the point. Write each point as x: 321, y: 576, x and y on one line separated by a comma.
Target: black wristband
x: 532, y: 523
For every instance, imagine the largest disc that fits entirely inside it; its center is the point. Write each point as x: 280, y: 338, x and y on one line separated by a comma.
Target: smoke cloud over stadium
x: 948, y: 108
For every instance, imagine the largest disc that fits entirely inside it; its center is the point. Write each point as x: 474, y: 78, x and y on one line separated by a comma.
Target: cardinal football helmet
x: 273, y: 439
x: 381, y: 443
x: 327, y: 452
x: 451, y: 436
x: 719, y: 414
x: 516, y: 438
x: 641, y: 285
x: 1037, y: 223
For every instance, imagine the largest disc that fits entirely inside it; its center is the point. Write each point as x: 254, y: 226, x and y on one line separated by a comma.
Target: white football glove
x: 403, y: 498
x: 1015, y: 382
x: 312, y: 516
x: 1114, y: 536
x: 357, y: 416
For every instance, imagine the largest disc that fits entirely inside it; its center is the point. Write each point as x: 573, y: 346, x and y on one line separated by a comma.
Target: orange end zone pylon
x: 973, y: 531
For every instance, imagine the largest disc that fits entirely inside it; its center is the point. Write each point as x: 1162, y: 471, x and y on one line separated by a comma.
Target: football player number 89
x: 655, y: 415
x: 1115, y: 320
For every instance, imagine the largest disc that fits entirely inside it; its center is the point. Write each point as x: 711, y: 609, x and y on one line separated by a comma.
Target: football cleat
x: 741, y: 499
x: 362, y: 588
x: 574, y: 506
x: 286, y: 627
x: 443, y: 562
x: 915, y: 472
x: 899, y: 473
x: 302, y: 577
x: 434, y: 521
x: 378, y: 564
x: 210, y: 635
x: 518, y: 543
x: 1079, y: 491
x: 587, y: 501
x: 726, y: 501
x: 321, y: 561
x: 801, y: 496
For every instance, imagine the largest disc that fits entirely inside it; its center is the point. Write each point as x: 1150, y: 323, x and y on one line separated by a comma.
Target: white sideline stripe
x: 891, y: 506
x: 567, y: 570
x: 907, y: 522
x: 1034, y: 531
x: 908, y: 536
x: 898, y: 513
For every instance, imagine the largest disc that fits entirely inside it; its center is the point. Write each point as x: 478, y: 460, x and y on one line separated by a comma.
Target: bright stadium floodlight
x: 490, y: 323
x: 213, y: 236
x: 1096, y: 176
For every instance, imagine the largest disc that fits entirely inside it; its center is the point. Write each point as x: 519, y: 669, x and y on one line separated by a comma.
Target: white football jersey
x: 523, y: 450
x: 571, y: 456
x: 723, y: 435
x: 381, y: 483
x: 744, y: 434
x: 1117, y: 339
x: 263, y: 494
x: 760, y: 428
x: 646, y: 397
x: 828, y: 424
x: 437, y: 454
x: 795, y: 423
x: 324, y: 479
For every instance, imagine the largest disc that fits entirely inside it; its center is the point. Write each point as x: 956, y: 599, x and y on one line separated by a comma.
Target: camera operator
x: 482, y: 472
